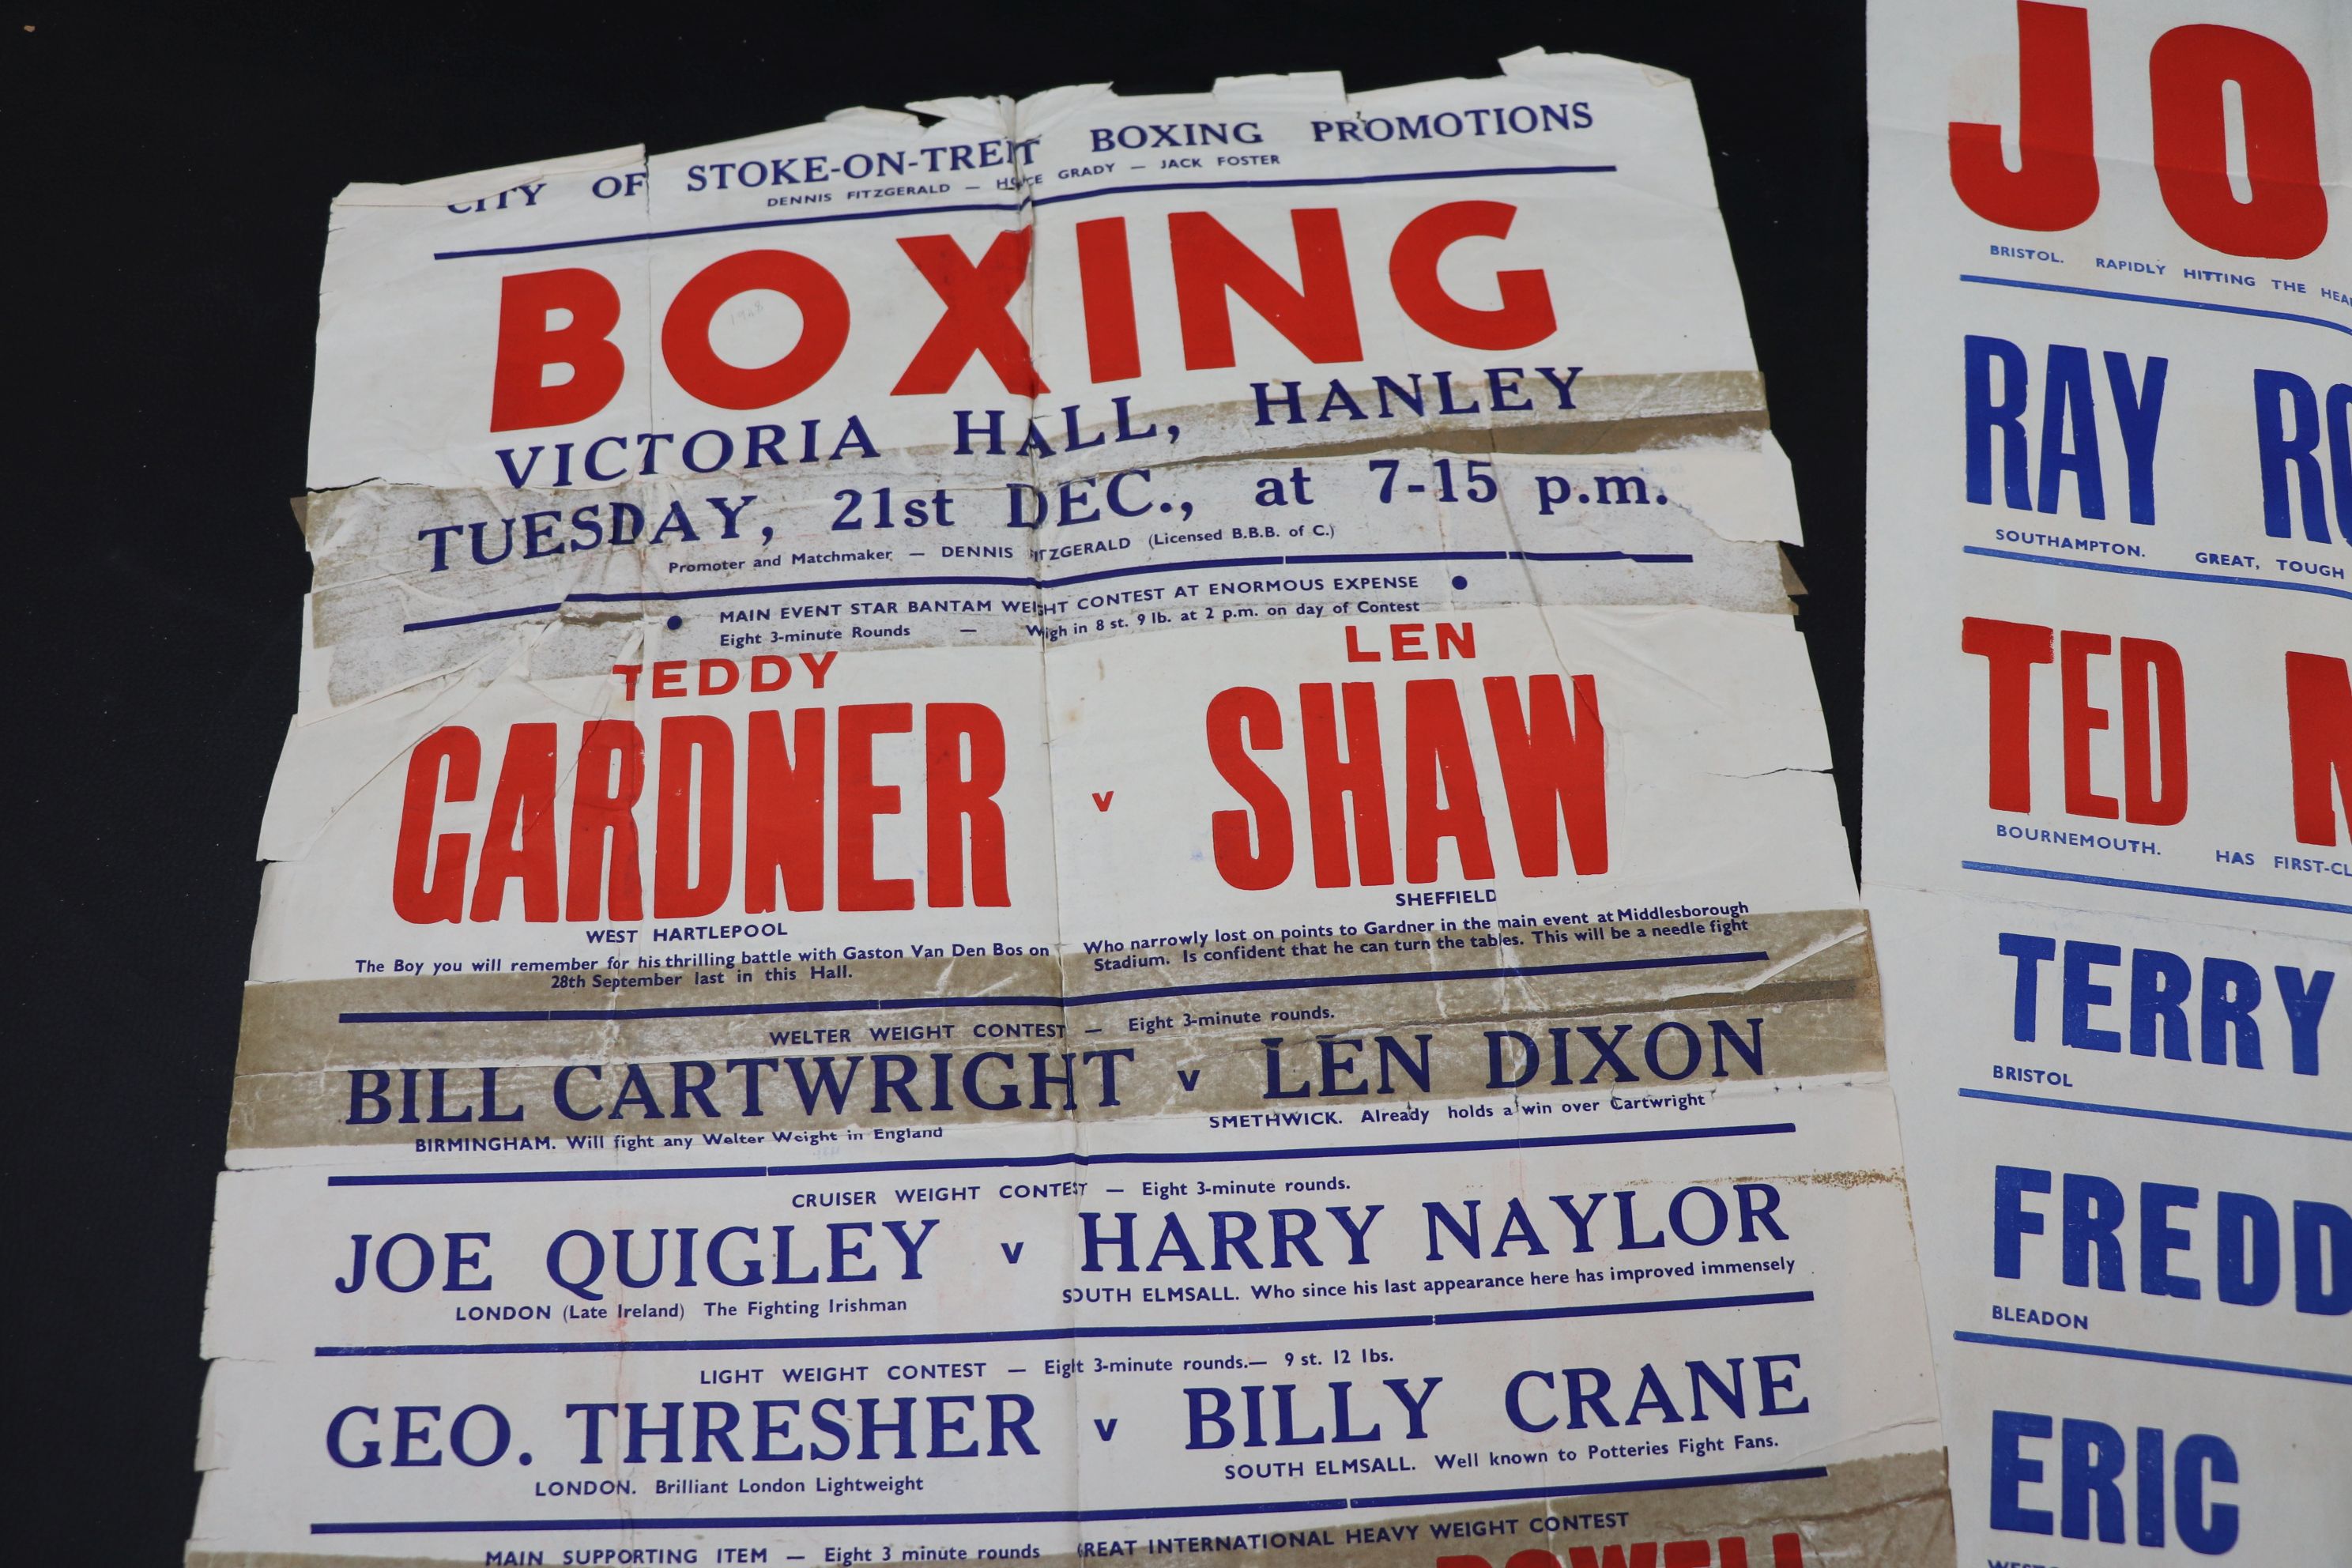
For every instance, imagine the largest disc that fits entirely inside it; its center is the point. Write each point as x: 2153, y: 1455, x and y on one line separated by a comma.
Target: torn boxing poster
x: 1085, y: 828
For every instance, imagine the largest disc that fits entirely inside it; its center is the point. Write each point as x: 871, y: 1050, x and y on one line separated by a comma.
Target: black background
x: 169, y: 179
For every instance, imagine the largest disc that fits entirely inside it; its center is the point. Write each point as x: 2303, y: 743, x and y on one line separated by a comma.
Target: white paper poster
x: 2108, y: 833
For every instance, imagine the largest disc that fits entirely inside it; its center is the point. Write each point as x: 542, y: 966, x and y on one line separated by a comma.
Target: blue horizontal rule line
x: 2157, y: 299
x: 1595, y: 1488
x: 1031, y: 1162
x: 681, y: 596
x: 698, y: 1173
x: 1041, y: 585
x: 2161, y: 1358
x: 1066, y: 1516
x: 715, y: 1010
x: 1259, y: 562
x: 1369, y: 557
x: 726, y: 228
x: 1423, y: 977
x: 942, y: 580
x: 656, y: 1173
x: 747, y: 1009
x: 811, y: 1521
x: 2168, y: 573
x: 2280, y: 899
x: 1310, y: 181
x: 1086, y: 1331
x: 549, y: 608
x: 2142, y: 1113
